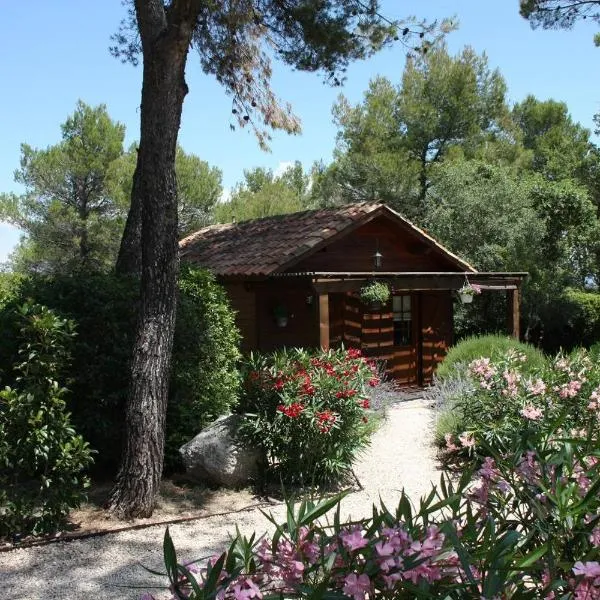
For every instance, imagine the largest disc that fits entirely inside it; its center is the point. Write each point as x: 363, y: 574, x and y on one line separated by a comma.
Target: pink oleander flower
x: 595, y: 537
x: 589, y: 570
x: 450, y: 445
x: 246, y: 589
x: 482, y: 368
x: 488, y: 469
x: 531, y: 412
x: 547, y: 581
x: 386, y: 559
x: 528, y: 468
x: 537, y: 387
x: 357, y: 586
x: 354, y: 540
x: 467, y: 440
x: 569, y: 390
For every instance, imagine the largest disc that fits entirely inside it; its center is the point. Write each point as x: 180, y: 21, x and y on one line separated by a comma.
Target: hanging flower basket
x: 468, y: 291
x: 375, y: 294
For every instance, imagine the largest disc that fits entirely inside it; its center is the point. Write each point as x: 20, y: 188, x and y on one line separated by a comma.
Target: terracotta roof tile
x: 265, y: 246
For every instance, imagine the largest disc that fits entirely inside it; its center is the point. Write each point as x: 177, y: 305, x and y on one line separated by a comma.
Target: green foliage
x: 557, y: 14
x: 584, y: 318
x: 199, y: 188
x: 42, y: 459
x: 388, y: 145
x: 67, y: 213
x: 262, y: 194
x: 308, y: 411
x: 492, y: 346
x: 375, y: 292
x: 523, y: 526
x: 205, y: 380
x: 77, y: 194
x: 104, y: 308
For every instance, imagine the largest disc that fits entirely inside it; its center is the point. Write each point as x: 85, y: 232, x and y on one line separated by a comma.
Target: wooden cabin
x: 294, y: 281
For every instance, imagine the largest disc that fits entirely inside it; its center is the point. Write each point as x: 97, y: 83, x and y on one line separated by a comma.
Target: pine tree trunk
x: 129, y: 260
x: 155, y: 193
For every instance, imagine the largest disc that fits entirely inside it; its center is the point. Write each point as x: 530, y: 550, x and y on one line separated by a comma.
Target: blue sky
x: 55, y: 53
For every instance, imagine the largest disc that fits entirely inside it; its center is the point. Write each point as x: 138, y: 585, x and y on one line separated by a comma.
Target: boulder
x: 215, y: 456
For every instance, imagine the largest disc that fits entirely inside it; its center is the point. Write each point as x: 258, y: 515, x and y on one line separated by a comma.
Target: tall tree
x: 561, y: 147
x: 70, y: 219
x: 262, y: 194
x: 388, y: 143
x: 199, y: 188
x: 231, y: 38
x: 559, y: 13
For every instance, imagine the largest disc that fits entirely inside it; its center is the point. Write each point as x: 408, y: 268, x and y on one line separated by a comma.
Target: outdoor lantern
x: 377, y: 259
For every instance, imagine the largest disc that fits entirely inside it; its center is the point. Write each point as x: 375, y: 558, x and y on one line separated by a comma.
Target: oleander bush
x: 453, y: 383
x: 42, y: 459
x: 523, y: 524
x: 309, y: 411
x: 507, y: 397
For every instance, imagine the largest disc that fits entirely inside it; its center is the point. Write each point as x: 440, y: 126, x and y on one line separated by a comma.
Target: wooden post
x: 513, y: 305
x: 324, y: 321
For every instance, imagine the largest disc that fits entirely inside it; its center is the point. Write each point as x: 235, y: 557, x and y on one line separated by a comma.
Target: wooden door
x: 436, y: 330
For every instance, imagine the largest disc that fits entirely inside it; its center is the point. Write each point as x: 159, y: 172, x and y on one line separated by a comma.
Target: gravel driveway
x: 108, y: 567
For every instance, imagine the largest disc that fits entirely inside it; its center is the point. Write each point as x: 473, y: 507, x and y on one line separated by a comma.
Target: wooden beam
x: 414, y: 283
x: 513, y: 316
x: 324, y: 321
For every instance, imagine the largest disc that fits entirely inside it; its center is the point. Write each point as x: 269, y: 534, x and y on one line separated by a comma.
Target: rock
x: 215, y: 456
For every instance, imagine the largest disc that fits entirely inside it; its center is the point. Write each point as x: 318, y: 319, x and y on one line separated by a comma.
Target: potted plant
x: 280, y: 314
x: 467, y: 291
x: 375, y: 294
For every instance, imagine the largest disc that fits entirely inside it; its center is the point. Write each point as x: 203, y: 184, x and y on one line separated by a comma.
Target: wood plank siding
x: 400, y: 249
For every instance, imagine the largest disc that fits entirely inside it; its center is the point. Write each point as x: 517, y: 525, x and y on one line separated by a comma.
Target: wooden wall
x: 243, y: 302
x: 401, y: 251
x: 302, y: 327
x: 372, y: 331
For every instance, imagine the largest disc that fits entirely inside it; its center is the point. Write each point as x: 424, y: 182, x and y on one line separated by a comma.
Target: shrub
x: 445, y: 395
x: 308, y: 411
x: 42, y: 459
x: 205, y: 382
x: 524, y: 525
x: 507, y: 400
x: 584, y: 322
x: 104, y: 307
x: 492, y: 345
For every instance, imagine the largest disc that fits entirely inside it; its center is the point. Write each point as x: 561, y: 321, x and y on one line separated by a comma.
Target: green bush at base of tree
x: 42, y: 459
x: 204, y: 378
x: 205, y: 381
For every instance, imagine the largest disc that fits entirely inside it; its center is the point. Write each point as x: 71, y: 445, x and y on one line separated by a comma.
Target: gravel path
x: 108, y: 567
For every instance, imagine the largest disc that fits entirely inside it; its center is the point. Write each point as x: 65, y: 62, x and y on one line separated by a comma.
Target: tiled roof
x: 269, y: 245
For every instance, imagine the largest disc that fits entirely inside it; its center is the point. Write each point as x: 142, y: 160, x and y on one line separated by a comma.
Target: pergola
x: 325, y: 283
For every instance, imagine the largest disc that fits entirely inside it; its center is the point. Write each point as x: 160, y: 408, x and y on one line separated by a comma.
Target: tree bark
x: 165, y: 51
x: 129, y: 260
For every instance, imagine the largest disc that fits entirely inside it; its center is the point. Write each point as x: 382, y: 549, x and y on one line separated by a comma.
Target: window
x: 402, y: 320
